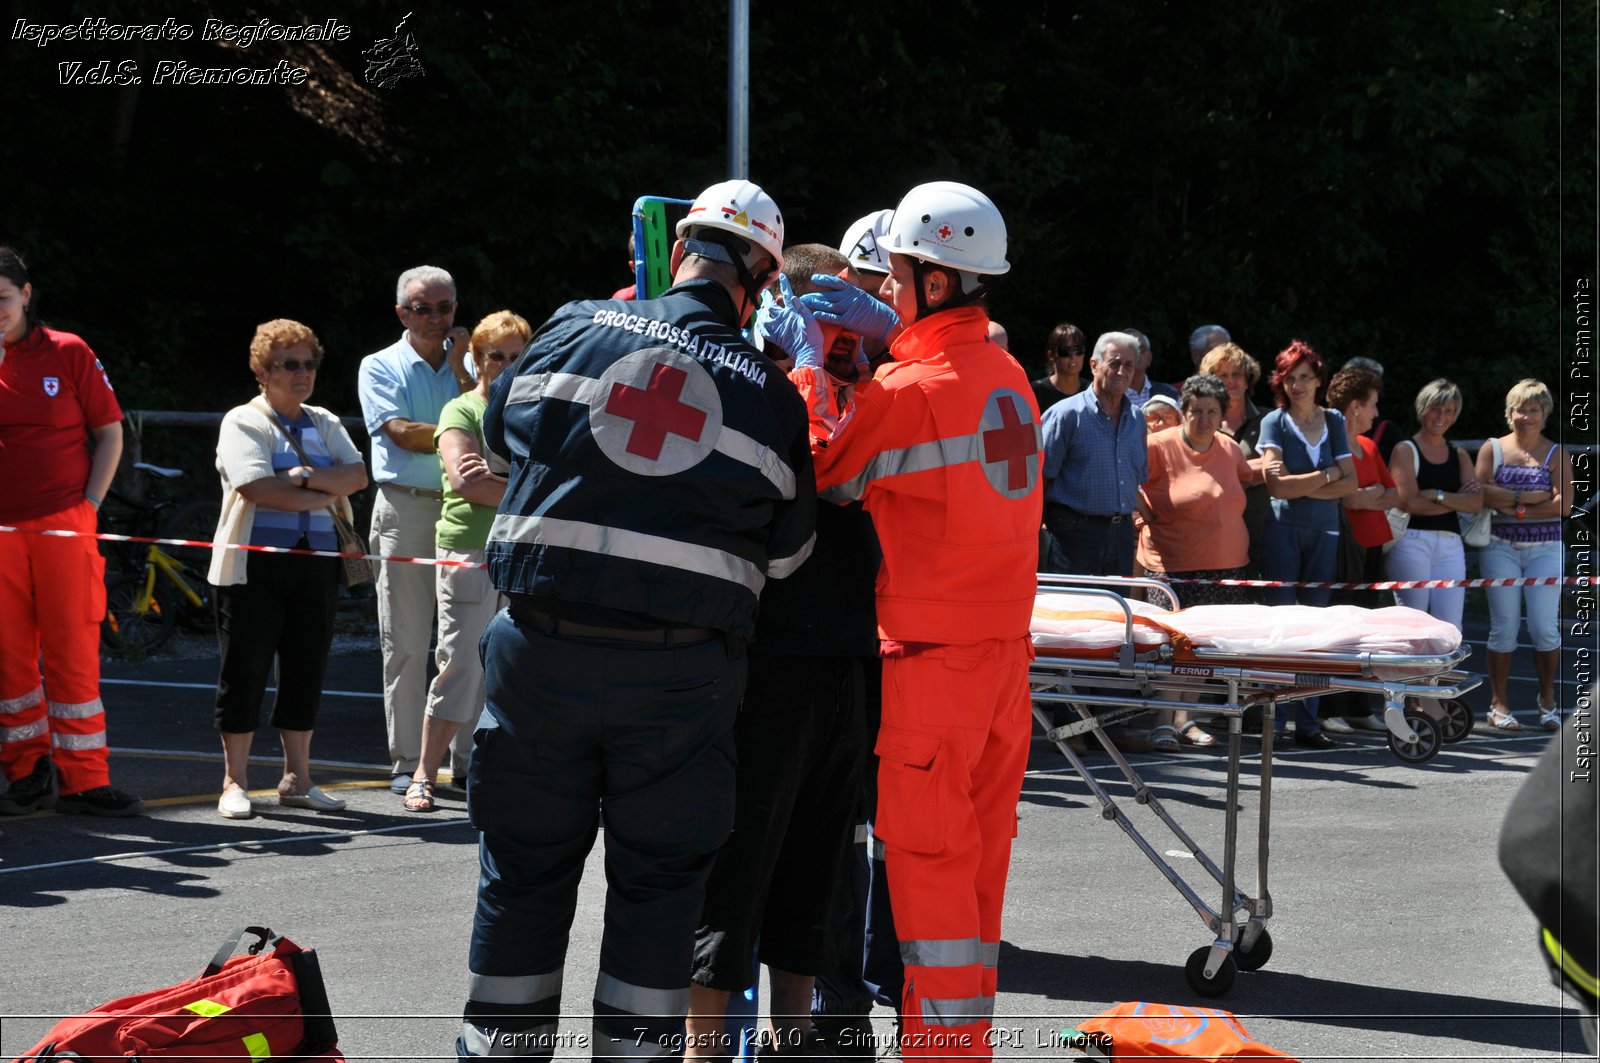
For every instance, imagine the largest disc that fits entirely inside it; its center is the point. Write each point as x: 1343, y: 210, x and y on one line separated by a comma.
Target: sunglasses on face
x: 444, y: 309
x: 294, y: 365
x: 499, y: 356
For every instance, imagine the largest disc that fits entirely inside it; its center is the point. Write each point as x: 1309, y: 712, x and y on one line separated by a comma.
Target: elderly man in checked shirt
x: 1094, y: 462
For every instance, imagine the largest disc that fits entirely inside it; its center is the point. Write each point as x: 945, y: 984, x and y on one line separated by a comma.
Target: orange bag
x: 1139, y: 1030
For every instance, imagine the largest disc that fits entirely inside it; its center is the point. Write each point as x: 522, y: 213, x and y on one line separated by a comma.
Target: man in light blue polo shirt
x: 403, y: 388
x: 1094, y: 462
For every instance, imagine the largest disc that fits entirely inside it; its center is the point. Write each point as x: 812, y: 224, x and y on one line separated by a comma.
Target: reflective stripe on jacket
x: 944, y: 448
x: 659, y: 463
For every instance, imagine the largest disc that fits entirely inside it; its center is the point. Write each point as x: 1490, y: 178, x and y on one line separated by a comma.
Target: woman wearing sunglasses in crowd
x: 1064, y: 366
x: 284, y: 463
x: 474, y: 481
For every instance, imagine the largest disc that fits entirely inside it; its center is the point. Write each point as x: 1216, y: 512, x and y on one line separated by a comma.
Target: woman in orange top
x: 1191, y: 515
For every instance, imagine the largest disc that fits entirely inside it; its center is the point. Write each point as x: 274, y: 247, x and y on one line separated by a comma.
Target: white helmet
x: 741, y: 208
x: 951, y: 224
x: 861, y: 243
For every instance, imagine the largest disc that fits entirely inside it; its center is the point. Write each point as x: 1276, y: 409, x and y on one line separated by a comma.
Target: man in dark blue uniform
x: 660, y: 474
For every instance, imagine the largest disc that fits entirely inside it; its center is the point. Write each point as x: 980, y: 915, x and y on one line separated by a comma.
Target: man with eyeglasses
x: 403, y: 388
x: 1094, y: 462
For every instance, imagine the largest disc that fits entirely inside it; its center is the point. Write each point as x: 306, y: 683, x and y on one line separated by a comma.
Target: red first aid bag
x: 1138, y: 1030
x: 269, y: 1004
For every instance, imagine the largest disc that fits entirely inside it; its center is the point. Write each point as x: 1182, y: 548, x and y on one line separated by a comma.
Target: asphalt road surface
x: 1396, y: 937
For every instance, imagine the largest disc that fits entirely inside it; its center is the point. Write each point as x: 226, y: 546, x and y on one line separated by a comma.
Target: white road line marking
x: 213, y: 686
x: 247, y: 844
x: 189, y: 754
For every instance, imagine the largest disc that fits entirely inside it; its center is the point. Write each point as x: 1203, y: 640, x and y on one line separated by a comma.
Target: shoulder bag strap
x: 295, y: 443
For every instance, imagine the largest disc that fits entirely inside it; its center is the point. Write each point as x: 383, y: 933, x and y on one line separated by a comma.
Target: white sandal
x: 1503, y: 721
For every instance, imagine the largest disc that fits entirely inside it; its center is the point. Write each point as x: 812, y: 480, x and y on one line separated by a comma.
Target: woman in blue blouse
x: 1306, y: 459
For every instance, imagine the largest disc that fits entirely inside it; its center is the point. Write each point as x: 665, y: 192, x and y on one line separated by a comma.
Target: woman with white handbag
x: 1527, y: 478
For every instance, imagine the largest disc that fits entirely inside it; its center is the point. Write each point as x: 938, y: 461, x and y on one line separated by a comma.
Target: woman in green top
x: 474, y: 480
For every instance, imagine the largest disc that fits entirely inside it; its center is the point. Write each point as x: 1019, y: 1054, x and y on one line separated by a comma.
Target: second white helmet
x: 741, y: 208
x: 951, y: 224
x: 863, y: 242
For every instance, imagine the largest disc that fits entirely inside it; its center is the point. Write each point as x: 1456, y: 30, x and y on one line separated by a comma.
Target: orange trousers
x: 52, y: 599
x: 952, y: 749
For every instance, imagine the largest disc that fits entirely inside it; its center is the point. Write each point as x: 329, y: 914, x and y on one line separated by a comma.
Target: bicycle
x: 152, y: 590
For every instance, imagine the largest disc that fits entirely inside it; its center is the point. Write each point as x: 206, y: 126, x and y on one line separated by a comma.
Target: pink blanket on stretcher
x: 1065, y: 623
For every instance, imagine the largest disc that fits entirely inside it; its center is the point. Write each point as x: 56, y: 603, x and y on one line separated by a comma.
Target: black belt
x: 540, y: 620
x: 1115, y: 518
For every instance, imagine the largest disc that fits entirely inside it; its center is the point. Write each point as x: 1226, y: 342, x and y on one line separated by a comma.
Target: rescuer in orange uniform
x: 944, y: 448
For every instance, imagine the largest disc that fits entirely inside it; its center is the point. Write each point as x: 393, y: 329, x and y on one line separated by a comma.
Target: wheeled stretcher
x: 1103, y: 658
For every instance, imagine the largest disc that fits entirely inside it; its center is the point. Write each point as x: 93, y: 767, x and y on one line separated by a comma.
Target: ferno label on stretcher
x: 1139, y: 1030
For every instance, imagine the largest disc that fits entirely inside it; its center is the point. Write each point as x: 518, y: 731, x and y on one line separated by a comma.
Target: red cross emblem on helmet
x: 657, y: 412
x: 1008, y: 444
x: 945, y: 232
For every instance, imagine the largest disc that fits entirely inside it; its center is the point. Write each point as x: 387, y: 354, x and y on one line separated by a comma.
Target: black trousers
x: 575, y: 727
x: 802, y: 745
x: 283, y: 612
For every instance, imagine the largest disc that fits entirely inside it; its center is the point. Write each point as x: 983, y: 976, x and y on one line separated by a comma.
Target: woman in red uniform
x: 54, y: 396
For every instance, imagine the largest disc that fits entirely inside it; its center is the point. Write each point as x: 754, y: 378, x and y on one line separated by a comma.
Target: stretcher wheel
x: 1195, y: 972
x: 1430, y: 739
x: 1457, y: 719
x: 1256, y: 957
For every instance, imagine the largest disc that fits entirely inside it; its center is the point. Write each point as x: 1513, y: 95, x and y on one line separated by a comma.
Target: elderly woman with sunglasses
x: 474, y: 481
x: 284, y: 463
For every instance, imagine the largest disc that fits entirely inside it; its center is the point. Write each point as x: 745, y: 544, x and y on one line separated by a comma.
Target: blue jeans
x: 1503, y: 560
x: 1294, y: 553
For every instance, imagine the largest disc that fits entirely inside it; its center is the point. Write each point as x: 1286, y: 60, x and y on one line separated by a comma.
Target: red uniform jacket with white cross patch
x: 53, y: 393
x: 944, y: 448
x: 659, y: 463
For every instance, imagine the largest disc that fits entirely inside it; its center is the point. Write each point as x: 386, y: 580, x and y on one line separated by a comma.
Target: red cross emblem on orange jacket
x: 1009, y: 442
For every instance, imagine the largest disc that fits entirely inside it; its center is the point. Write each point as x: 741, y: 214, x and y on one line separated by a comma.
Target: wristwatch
x: 1438, y: 495
x: 305, y: 477
x: 1327, y: 475
x: 1522, y: 510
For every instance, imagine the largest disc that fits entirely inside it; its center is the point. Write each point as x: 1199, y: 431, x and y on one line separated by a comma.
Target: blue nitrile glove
x: 841, y: 303
x: 790, y: 326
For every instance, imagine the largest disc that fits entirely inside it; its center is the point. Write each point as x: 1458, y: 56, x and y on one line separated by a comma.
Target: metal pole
x: 738, y: 89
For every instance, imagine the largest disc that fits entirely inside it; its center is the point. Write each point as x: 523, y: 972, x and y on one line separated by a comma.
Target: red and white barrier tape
x: 1397, y: 584
x: 201, y: 544
x: 1383, y: 585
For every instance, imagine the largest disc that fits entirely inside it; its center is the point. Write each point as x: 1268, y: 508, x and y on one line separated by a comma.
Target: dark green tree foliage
x: 1374, y: 178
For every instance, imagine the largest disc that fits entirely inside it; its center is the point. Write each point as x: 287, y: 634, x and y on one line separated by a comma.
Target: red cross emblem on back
x: 1013, y: 442
x: 655, y: 411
